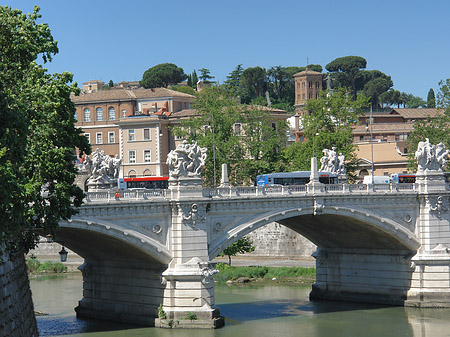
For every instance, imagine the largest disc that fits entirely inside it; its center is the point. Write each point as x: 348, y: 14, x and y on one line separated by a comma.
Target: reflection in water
x: 249, y: 311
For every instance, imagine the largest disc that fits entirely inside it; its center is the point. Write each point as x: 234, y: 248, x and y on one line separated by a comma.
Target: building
x: 308, y: 85
x: 108, y: 118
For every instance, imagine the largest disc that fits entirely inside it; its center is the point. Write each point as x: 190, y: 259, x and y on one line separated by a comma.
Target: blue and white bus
x: 294, y: 178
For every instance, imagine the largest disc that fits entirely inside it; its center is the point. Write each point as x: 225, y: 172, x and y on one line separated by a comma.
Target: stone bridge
x: 383, y: 244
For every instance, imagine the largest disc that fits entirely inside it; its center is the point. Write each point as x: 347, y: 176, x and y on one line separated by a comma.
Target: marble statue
x: 431, y: 157
x: 331, y: 162
x: 102, y: 169
x: 186, y: 160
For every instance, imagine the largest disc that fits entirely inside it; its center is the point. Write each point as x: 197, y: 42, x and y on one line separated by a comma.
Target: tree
x: 111, y: 83
x: 233, y: 81
x: 412, y: 102
x: 205, y: 75
x: 265, y: 140
x: 375, y: 88
x: 37, y: 134
x: 345, y: 70
x: 183, y: 88
x: 331, y: 118
x: 431, y: 99
x: 162, y: 75
x: 213, y: 128
x: 242, y: 246
x: 254, y: 81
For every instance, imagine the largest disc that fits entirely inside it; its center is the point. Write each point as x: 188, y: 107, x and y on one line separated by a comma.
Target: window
x: 146, y: 134
x: 99, y: 137
x: 147, y: 156
x: 317, y: 95
x: 303, y: 84
x: 87, y: 115
x: 310, y: 85
x: 237, y: 129
x: 310, y: 95
x: 303, y: 96
x: 88, y: 136
x: 131, y: 135
x: 99, y: 114
x: 75, y: 116
x: 111, y: 114
x: 132, y: 156
x: 111, y: 137
x: 317, y: 85
x: 124, y: 113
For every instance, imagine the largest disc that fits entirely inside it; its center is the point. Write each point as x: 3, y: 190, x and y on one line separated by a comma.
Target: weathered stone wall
x: 278, y: 240
x: 16, y: 306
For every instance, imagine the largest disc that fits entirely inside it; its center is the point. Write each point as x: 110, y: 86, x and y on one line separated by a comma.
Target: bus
x: 161, y: 183
x: 294, y: 178
x: 403, y: 178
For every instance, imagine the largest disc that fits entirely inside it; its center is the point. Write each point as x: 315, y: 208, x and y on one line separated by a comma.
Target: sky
x: 118, y: 40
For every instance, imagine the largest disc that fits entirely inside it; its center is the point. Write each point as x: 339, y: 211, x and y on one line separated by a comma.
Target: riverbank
x: 264, y: 275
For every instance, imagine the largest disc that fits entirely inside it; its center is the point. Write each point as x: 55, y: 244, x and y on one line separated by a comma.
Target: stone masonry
x: 16, y: 306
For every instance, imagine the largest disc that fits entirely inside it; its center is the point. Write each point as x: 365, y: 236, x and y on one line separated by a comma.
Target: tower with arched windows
x: 308, y: 85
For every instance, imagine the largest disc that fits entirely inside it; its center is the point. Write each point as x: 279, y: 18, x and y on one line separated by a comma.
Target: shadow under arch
x: 94, y: 240
x: 334, y: 227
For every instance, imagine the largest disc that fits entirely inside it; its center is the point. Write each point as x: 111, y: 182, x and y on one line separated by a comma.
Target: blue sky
x: 119, y: 40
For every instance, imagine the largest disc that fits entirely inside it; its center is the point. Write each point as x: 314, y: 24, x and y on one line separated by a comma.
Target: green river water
x: 259, y: 311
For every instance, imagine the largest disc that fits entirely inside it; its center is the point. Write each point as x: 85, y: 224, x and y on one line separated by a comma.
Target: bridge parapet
x: 250, y: 191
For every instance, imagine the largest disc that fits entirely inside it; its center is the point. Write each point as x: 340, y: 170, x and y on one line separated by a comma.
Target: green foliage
x: 37, y: 133
x: 330, y: 120
x: 243, y: 245
x: 184, y: 88
x: 205, y: 75
x: 213, y: 129
x: 35, y: 266
x: 254, y: 81
x: 431, y: 99
x: 227, y: 272
x: 345, y: 70
x: 161, y: 313
x: 162, y: 75
x: 191, y: 316
x: 411, y: 101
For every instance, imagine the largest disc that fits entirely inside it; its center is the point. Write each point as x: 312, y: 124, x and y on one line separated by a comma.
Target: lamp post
x: 371, y: 139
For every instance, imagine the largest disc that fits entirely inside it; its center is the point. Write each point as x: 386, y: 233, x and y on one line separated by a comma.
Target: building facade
x: 132, y: 124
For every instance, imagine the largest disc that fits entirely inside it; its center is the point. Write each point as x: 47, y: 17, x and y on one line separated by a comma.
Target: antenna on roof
x: 307, y: 60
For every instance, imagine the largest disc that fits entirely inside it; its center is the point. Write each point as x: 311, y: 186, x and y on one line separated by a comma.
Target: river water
x: 277, y: 310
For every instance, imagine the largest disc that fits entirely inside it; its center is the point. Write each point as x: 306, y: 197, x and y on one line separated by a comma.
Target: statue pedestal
x: 186, y: 187
x: 99, y: 186
x: 430, y: 181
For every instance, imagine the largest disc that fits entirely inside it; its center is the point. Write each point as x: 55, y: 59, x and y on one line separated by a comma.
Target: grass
x: 287, y: 274
x: 35, y: 266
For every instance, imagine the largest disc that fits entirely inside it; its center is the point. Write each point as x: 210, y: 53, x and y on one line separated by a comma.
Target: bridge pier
x: 359, y: 275
x: 121, y: 291
x: 189, y: 287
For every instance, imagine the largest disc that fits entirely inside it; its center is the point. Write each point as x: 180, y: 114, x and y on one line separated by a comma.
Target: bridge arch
x: 329, y: 227
x: 93, y: 239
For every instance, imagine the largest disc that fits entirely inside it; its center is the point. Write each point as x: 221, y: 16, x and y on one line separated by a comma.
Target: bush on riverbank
x: 298, y: 274
x: 35, y: 266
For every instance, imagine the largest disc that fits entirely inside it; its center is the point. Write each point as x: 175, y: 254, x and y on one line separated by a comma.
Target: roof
x: 384, y: 128
x: 416, y: 113
x: 383, y: 152
x: 124, y: 94
x: 307, y: 71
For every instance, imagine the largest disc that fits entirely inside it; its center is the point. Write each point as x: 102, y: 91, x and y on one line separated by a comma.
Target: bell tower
x: 308, y: 85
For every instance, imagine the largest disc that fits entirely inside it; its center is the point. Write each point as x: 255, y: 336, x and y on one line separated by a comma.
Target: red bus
x: 144, y: 183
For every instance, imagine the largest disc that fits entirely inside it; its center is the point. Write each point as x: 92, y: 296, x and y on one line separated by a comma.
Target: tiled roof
x: 383, y: 152
x: 416, y: 113
x: 384, y: 127
x: 123, y: 94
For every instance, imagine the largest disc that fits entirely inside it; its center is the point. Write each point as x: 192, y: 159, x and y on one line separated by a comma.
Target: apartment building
x: 107, y: 118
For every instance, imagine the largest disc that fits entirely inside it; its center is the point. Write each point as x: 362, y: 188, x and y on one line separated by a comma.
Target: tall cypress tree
x: 431, y: 99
